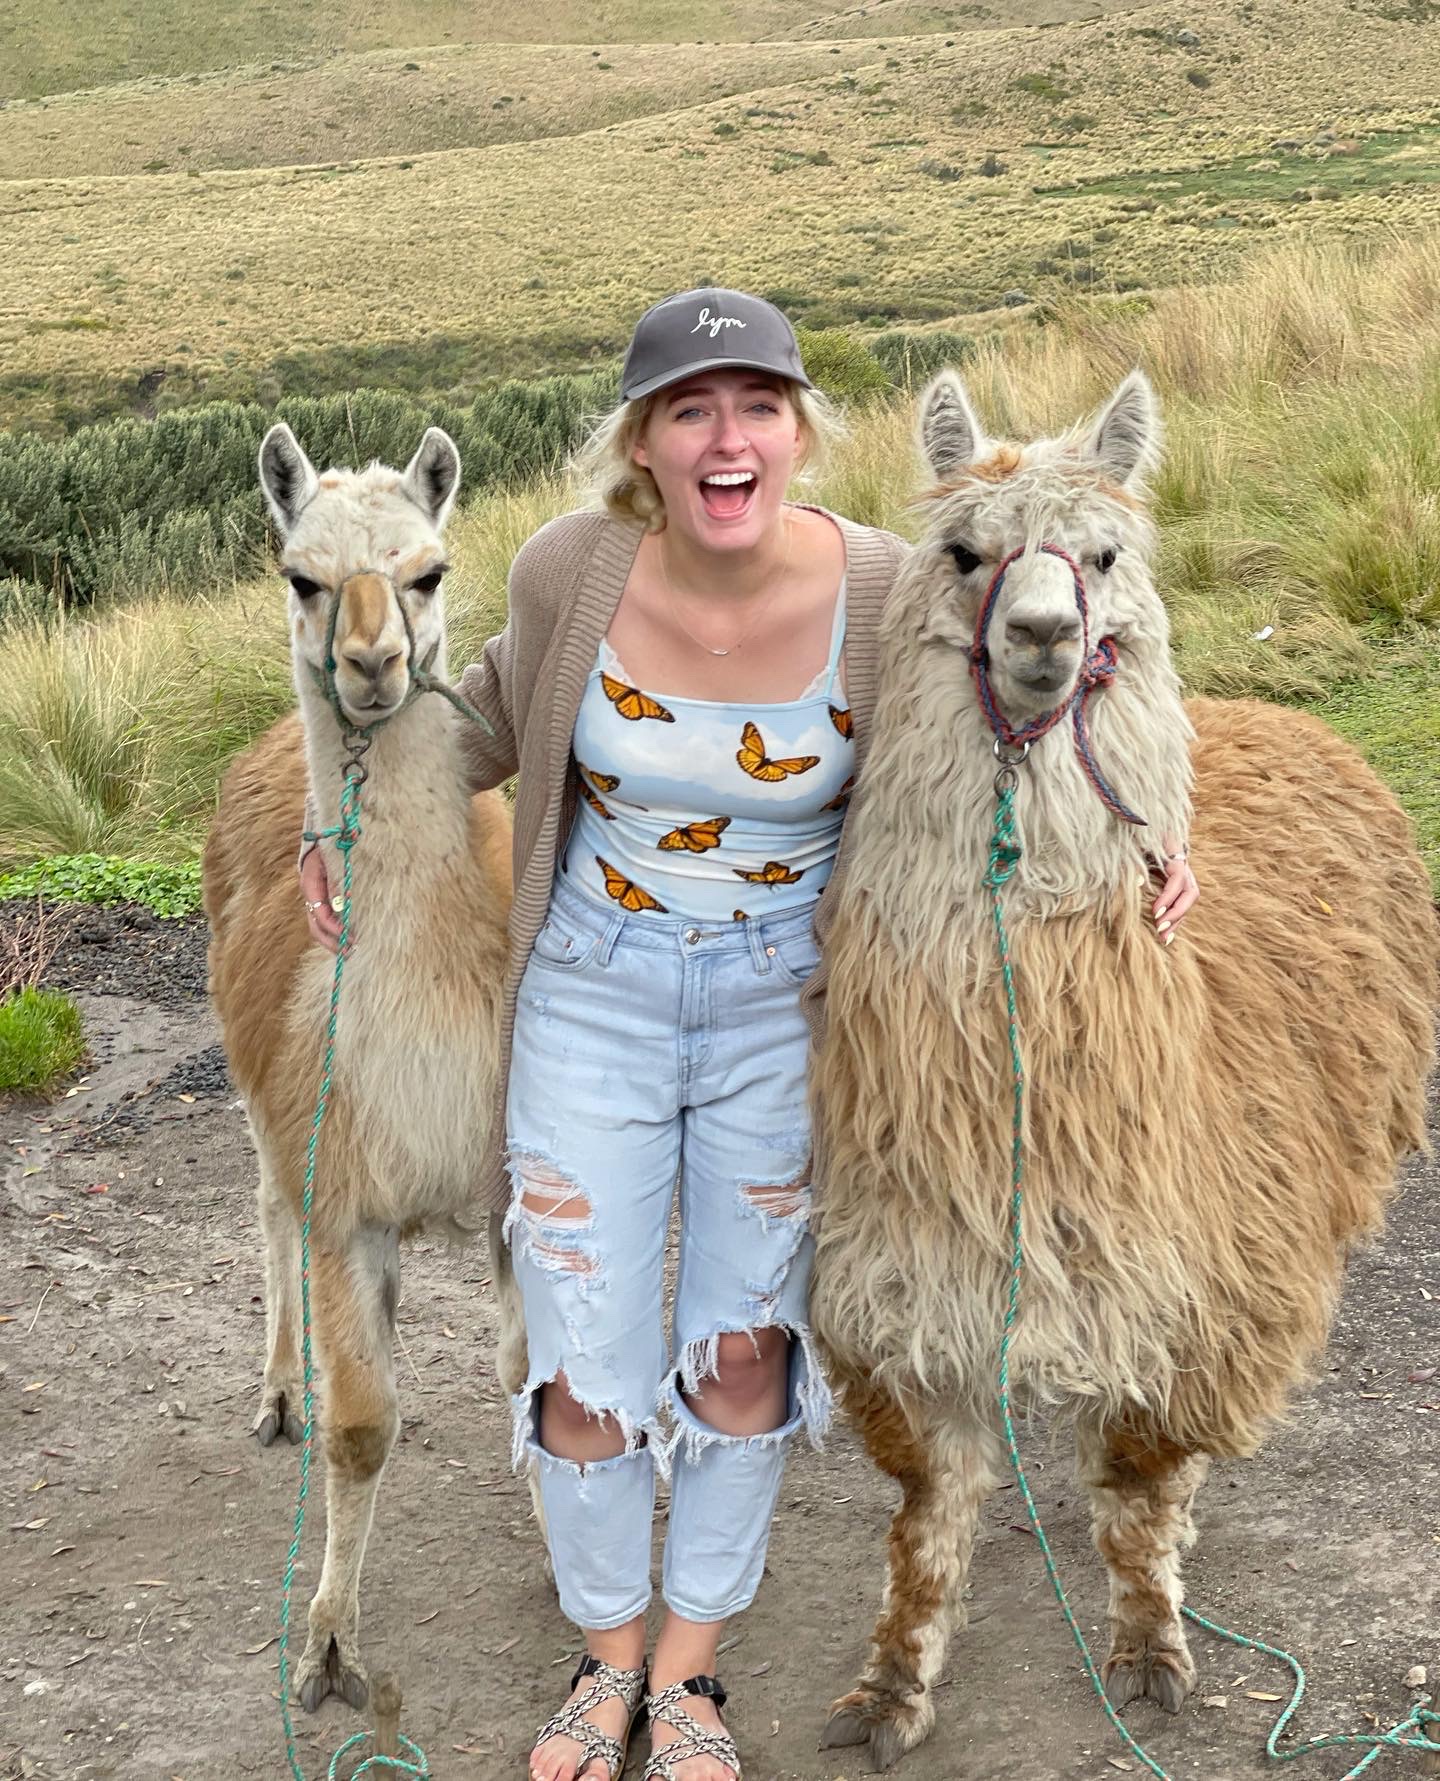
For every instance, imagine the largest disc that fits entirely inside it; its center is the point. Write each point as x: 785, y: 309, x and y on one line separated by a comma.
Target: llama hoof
x: 1165, y: 1677
x: 277, y: 1418
x: 324, y: 1670
x: 890, y: 1726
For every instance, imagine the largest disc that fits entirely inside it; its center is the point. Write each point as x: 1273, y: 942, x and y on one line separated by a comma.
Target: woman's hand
x: 1178, y: 894
x: 320, y: 913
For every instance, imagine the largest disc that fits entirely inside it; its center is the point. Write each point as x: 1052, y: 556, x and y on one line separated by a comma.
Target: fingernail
x: 337, y: 904
x: 1160, y: 927
x: 1169, y: 939
x: 1160, y: 909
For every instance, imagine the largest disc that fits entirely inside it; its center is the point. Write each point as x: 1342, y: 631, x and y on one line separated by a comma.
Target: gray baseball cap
x: 707, y: 330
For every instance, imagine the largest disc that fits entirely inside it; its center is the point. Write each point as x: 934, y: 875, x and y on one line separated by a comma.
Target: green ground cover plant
x: 42, y: 1039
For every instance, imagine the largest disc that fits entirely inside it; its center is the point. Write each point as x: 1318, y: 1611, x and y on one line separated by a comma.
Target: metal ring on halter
x: 1009, y: 754
x: 1007, y: 779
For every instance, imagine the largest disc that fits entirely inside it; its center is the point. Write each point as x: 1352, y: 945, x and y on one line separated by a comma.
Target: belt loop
x: 757, y: 947
x: 608, y: 939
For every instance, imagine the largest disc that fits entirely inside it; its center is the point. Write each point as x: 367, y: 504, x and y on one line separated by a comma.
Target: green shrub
x: 143, y: 506
x: 912, y: 356
x: 841, y: 364
x: 99, y: 878
x: 41, y: 1039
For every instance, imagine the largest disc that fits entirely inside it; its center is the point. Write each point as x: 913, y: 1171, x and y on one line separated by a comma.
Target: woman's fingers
x: 1176, y: 899
x: 321, y: 916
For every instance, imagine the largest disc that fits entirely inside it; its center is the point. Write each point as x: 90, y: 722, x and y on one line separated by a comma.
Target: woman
x: 685, y: 685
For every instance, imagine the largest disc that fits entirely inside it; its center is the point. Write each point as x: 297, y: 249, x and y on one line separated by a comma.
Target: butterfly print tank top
x: 712, y: 811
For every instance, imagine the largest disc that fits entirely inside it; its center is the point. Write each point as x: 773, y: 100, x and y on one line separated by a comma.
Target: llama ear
x: 433, y: 475
x: 950, y: 435
x: 286, y: 475
x: 1125, y: 438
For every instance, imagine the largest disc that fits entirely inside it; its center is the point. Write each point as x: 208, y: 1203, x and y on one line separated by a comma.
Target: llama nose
x: 1043, y: 630
x: 372, y: 660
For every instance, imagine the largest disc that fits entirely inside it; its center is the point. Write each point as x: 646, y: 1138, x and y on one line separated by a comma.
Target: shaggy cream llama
x: 1210, y: 1126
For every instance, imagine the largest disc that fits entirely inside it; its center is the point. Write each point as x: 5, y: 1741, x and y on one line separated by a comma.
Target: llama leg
x: 947, y: 1470
x: 354, y: 1293
x: 282, y: 1398
x: 1140, y: 1498
x: 512, y: 1362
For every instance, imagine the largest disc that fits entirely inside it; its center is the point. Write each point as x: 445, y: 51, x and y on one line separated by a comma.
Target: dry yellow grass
x: 386, y: 102
x: 865, y: 184
x: 69, y: 44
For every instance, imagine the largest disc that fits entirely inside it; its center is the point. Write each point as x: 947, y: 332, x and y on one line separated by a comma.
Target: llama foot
x: 277, y: 1415
x: 1139, y: 1670
x: 874, y: 1716
x: 331, y: 1665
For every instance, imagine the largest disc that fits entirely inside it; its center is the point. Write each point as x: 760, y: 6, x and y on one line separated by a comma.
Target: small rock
x: 1416, y: 1676
x: 1014, y: 299
x: 1186, y: 39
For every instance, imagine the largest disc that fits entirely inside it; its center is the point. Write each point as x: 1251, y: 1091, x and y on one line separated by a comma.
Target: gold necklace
x: 763, y: 609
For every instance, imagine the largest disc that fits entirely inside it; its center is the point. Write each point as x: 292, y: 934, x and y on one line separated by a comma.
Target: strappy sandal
x: 666, y: 1708
x: 606, y: 1684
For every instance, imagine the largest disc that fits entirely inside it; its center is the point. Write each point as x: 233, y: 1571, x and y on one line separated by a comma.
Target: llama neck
x: 415, y: 802
x: 928, y: 800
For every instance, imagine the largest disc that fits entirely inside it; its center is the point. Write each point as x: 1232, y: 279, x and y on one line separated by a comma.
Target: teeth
x: 728, y: 479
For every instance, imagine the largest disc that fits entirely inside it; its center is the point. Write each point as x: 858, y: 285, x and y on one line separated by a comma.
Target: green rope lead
x: 345, y: 835
x: 1004, y: 858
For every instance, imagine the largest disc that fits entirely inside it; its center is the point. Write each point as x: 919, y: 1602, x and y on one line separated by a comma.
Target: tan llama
x: 414, y: 1081
x: 1211, y: 1126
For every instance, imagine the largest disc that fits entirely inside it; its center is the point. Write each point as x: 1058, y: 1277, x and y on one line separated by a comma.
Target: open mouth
x: 728, y: 494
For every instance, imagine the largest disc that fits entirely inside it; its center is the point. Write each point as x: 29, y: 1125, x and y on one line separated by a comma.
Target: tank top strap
x: 837, y: 641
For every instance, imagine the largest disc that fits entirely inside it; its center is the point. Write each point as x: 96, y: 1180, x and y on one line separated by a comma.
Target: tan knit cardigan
x: 565, y: 584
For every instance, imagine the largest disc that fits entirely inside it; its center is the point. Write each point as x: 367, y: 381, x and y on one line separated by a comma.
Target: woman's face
x: 722, y: 446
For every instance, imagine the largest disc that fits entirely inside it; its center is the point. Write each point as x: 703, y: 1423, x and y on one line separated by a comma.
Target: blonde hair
x: 606, y: 470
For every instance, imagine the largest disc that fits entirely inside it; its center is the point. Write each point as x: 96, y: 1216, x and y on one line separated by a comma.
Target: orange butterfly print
x: 631, y: 703
x: 842, y: 797
x: 844, y: 721
x: 772, y: 872
x: 594, y: 802
x: 753, y: 758
x: 695, y: 837
x: 603, y: 782
x: 627, y: 895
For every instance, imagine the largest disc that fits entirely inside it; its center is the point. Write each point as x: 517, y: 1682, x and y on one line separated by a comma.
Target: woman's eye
x: 304, y: 587
x: 427, y: 584
x: 1105, y: 562
x: 966, y: 561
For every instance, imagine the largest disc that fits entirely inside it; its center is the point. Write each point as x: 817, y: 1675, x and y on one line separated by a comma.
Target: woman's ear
x: 639, y: 455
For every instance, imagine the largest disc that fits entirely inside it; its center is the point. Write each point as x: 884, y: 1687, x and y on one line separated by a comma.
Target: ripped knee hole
x: 555, y: 1210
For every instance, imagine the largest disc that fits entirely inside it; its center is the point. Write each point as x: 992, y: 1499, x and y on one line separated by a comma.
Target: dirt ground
x: 145, y: 1531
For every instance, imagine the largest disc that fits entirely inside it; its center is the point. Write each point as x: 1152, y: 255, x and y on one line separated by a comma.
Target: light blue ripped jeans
x: 647, y: 1050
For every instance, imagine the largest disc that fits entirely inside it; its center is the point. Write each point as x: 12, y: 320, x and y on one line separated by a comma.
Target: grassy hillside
x: 387, y: 102
x: 1108, y: 155
x: 70, y: 44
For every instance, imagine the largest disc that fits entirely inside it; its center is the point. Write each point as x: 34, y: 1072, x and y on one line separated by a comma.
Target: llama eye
x: 304, y: 587
x: 1105, y: 562
x: 427, y: 584
x: 966, y: 560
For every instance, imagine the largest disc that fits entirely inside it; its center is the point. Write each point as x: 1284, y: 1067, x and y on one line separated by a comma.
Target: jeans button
x: 691, y: 936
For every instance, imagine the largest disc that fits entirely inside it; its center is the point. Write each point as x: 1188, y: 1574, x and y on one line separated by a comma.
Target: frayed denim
x: 650, y: 1051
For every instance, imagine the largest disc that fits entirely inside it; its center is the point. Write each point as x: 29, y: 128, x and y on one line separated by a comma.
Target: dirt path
x: 144, y: 1531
